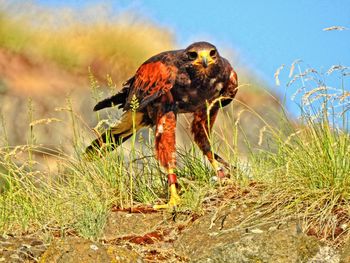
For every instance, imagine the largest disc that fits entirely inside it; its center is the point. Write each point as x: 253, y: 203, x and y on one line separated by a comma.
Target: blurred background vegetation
x: 46, y: 56
x: 54, y: 66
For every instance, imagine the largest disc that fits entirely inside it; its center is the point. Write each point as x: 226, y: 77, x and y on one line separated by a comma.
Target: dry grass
x: 303, y: 166
x: 303, y: 171
x: 307, y: 177
x: 76, y: 39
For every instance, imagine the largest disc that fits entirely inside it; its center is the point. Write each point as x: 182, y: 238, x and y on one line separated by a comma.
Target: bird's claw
x: 171, y: 205
x: 220, y: 176
x: 220, y: 173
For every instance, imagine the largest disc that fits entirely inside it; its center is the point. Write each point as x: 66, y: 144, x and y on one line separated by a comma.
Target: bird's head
x: 202, y: 55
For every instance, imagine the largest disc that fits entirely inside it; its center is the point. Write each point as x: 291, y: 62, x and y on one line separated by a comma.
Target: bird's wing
x: 232, y: 83
x: 231, y: 86
x: 152, y: 80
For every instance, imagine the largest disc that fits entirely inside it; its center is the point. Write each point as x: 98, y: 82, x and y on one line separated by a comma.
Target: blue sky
x: 266, y: 33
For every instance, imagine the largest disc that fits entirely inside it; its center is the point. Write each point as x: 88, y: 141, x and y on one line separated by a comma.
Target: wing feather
x: 231, y: 86
x: 151, y: 81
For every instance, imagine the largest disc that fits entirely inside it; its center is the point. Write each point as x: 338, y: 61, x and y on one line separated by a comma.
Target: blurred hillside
x: 45, y: 60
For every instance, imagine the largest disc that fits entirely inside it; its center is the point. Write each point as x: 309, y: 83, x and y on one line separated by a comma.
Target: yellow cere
x: 204, y: 55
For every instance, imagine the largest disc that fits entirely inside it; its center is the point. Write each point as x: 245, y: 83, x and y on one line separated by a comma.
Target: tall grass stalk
x: 308, y: 175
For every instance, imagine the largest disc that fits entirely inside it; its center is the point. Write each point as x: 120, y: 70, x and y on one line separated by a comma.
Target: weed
x: 308, y: 175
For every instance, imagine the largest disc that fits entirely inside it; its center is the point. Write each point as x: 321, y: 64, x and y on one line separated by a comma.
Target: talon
x: 220, y: 177
x: 171, y: 205
x: 173, y: 202
x: 220, y: 173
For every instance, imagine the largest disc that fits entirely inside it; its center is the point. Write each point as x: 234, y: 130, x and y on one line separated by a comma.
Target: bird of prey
x: 194, y: 80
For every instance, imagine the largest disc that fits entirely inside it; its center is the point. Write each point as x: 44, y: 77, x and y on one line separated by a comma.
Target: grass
x: 307, y: 177
x: 304, y: 175
x: 80, y: 195
x: 303, y: 166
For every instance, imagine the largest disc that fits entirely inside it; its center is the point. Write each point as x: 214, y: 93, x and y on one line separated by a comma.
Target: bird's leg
x: 165, y: 152
x: 174, y: 197
x: 201, y: 129
x: 217, y: 162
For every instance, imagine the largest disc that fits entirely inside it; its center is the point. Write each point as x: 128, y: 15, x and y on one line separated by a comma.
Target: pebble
x: 256, y: 231
x: 14, y: 256
x: 94, y: 247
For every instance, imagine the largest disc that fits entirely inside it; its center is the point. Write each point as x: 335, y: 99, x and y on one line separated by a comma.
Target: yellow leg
x: 174, y: 197
x: 215, y: 165
x: 174, y: 200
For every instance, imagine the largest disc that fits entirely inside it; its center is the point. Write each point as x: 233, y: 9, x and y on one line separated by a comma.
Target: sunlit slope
x: 45, y: 60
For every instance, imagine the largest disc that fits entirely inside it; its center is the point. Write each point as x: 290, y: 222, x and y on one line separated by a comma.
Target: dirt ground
x: 222, y: 233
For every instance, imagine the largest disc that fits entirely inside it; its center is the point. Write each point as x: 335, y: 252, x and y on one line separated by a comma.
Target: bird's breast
x: 192, y: 97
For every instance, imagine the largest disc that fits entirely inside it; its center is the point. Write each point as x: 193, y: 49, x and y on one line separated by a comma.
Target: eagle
x: 194, y: 80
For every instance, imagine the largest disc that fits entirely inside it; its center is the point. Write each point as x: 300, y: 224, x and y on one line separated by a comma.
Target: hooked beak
x: 204, y: 55
x: 205, y: 61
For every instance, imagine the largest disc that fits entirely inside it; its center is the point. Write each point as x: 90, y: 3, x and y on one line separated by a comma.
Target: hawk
x: 194, y: 80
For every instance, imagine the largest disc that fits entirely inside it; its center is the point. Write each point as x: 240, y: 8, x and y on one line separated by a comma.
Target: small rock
x: 5, y: 243
x: 214, y: 179
x: 14, y: 256
x: 256, y: 231
x: 94, y: 247
x: 26, y: 246
x: 344, y: 226
x: 273, y: 228
x: 282, y: 246
x: 325, y: 255
x: 74, y: 249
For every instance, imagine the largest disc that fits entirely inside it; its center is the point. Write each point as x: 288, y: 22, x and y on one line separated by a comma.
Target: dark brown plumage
x: 173, y: 82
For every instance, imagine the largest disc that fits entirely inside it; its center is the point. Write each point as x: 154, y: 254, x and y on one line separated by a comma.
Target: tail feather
x: 117, y: 99
x: 115, y: 136
x: 107, y: 138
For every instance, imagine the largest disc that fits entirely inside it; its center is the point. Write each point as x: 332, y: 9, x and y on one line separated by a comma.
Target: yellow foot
x: 173, y: 202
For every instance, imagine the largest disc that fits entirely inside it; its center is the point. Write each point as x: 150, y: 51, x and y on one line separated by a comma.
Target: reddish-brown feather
x: 234, y: 78
x: 232, y: 84
x: 154, y: 78
x: 201, y: 131
x: 165, y: 140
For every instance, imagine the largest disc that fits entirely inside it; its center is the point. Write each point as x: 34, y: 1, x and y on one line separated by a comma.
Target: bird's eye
x: 212, y: 53
x: 192, y: 55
